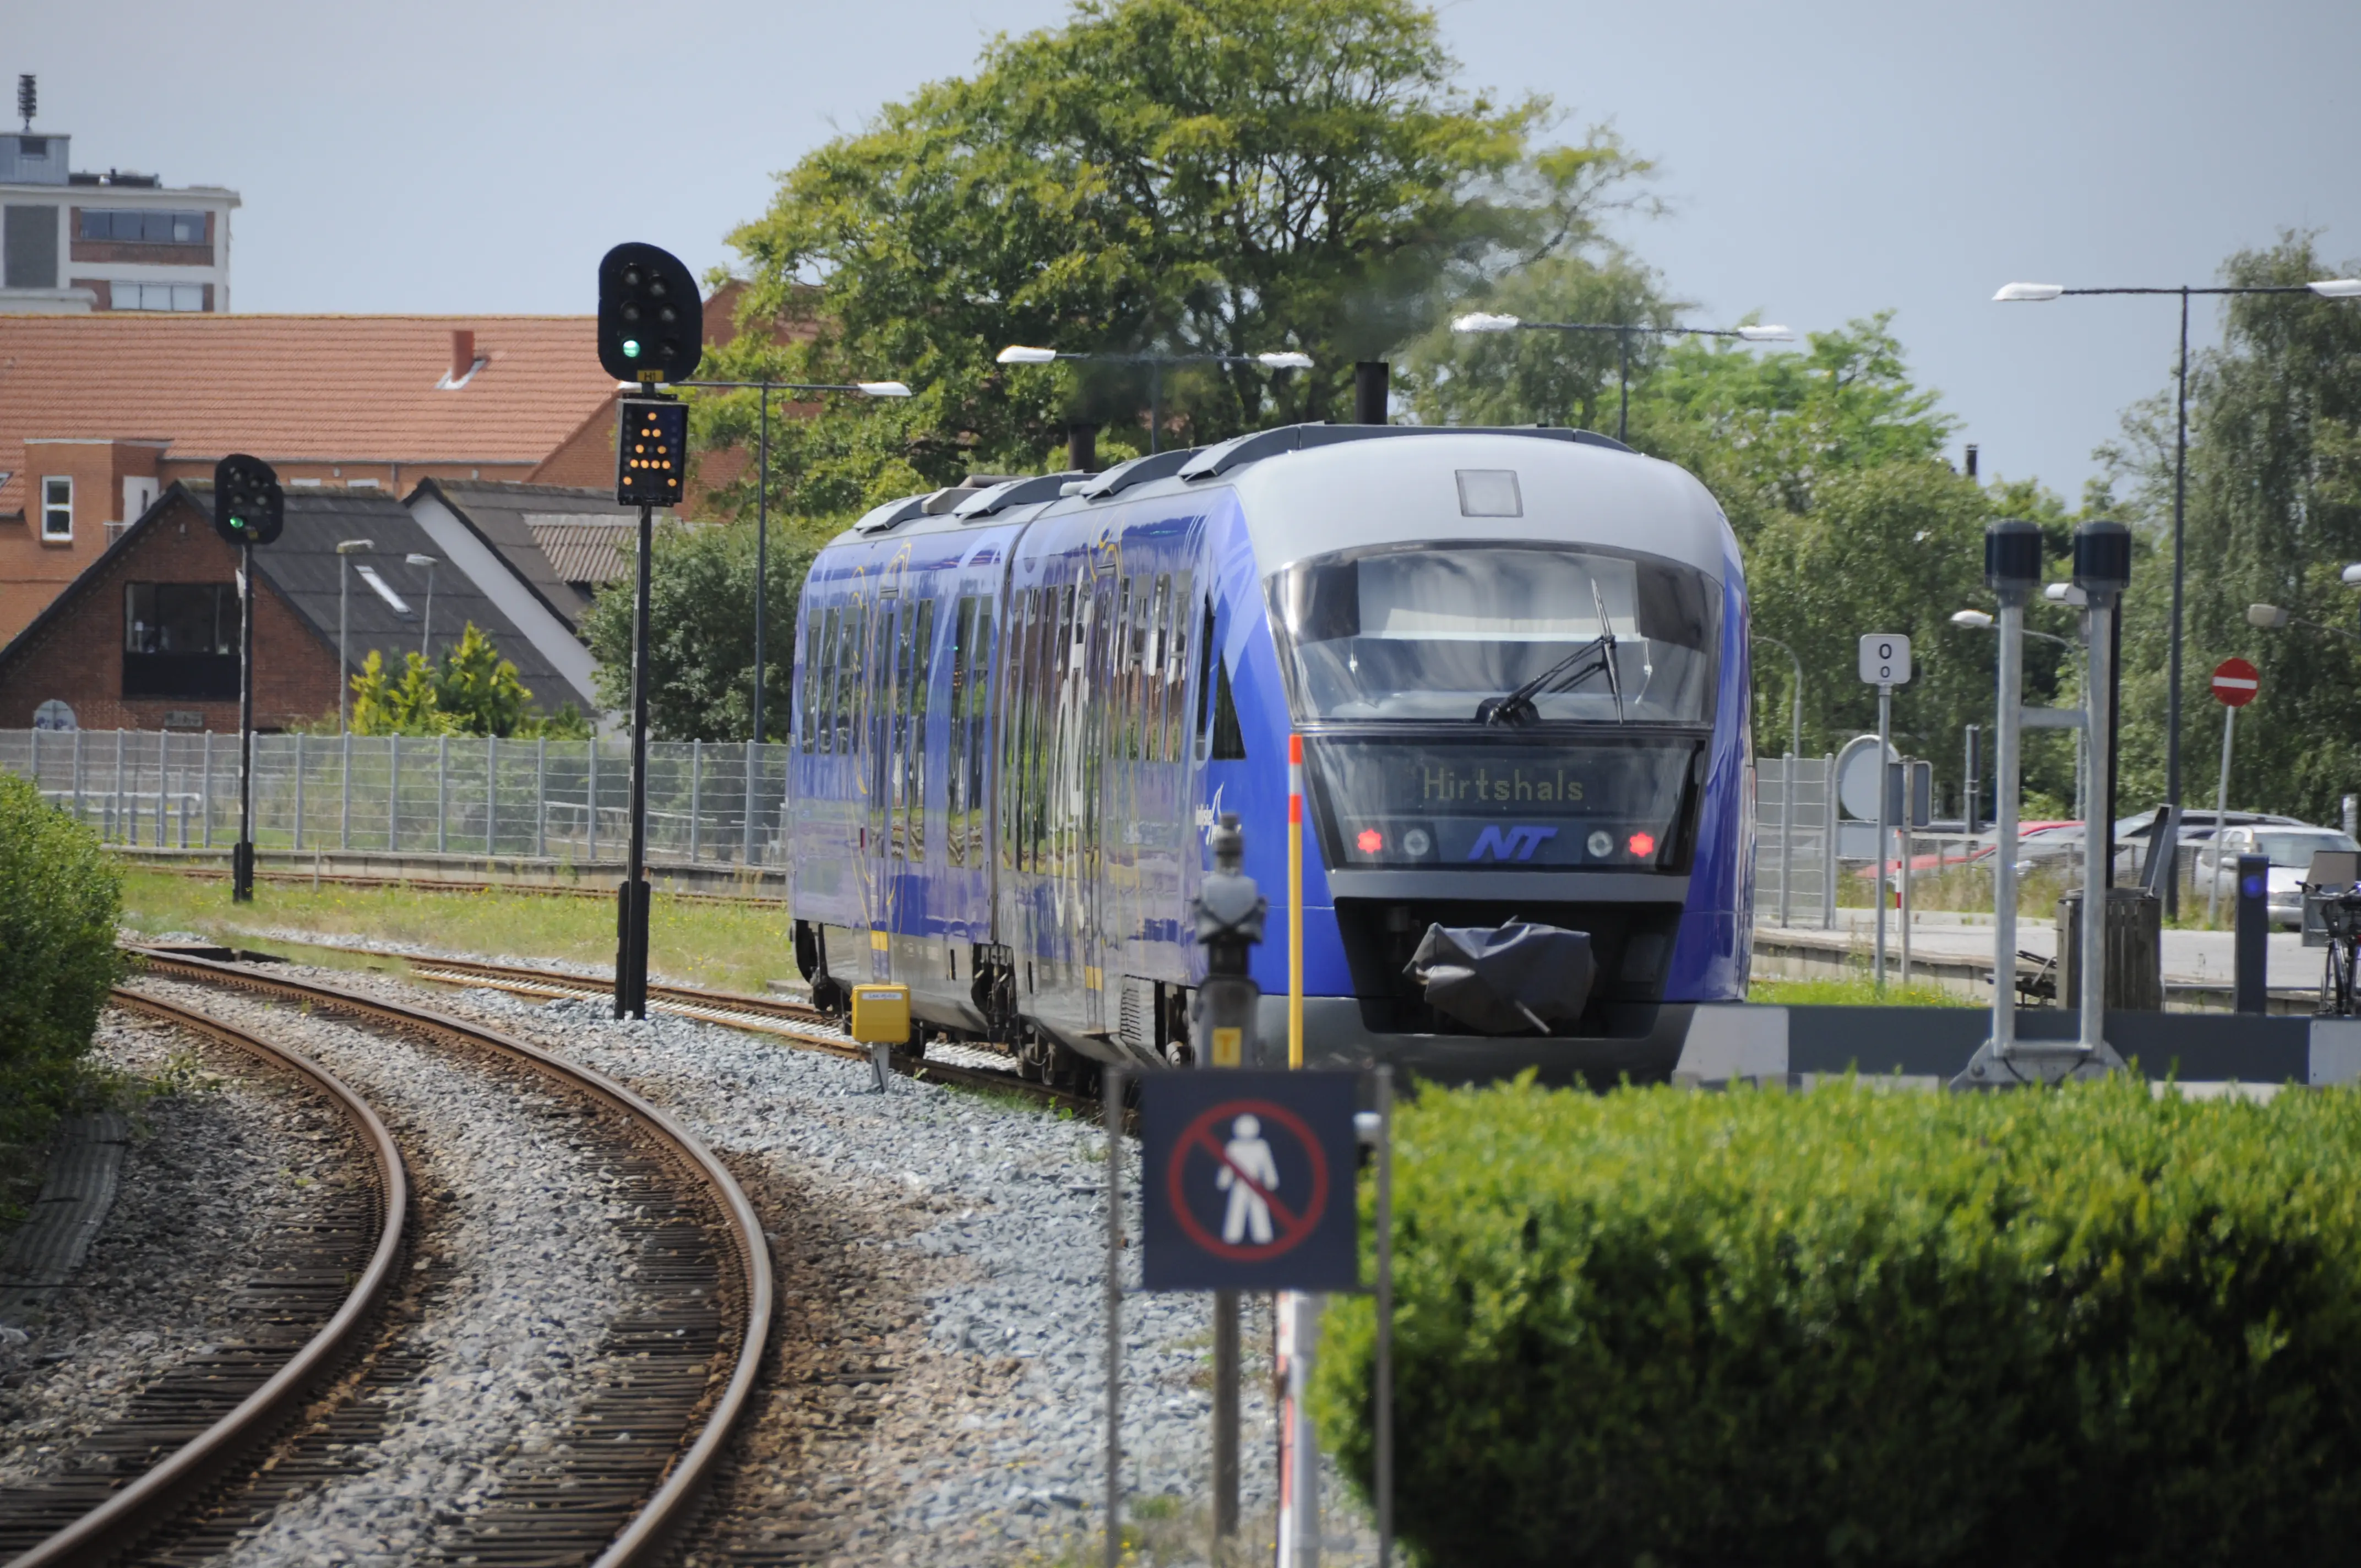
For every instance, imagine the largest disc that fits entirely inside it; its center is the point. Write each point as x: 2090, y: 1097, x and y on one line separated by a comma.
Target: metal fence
x: 568, y: 800
x: 1795, y: 863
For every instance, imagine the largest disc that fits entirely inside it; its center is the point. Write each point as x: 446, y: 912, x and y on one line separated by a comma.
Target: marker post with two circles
x: 1884, y: 664
x: 2236, y: 684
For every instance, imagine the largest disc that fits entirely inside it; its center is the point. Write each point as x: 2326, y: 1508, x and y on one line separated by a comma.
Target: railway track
x: 678, y: 1365
x: 315, y: 1305
x: 603, y: 891
x: 798, y: 1022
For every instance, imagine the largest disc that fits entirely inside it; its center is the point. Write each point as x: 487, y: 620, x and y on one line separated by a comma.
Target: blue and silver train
x: 1518, y: 662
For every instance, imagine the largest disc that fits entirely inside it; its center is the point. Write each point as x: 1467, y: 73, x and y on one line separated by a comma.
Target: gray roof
x: 505, y: 515
x: 302, y: 563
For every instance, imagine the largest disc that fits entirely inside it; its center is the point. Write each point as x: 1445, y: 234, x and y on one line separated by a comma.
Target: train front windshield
x: 1397, y: 655
x: 1433, y: 633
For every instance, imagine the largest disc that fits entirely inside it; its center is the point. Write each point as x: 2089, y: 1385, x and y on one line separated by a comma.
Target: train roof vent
x: 892, y: 515
x: 1138, y: 471
x: 954, y: 497
x: 1015, y: 493
x: 1214, y: 461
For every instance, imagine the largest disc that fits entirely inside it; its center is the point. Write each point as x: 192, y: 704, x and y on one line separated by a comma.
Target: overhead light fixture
x: 2352, y: 576
x: 884, y: 389
x: 2269, y: 616
x: 1485, y: 321
x: 2336, y: 288
x: 1017, y: 353
x: 1977, y: 618
x: 2025, y: 293
x: 1290, y: 361
x: 1766, y: 335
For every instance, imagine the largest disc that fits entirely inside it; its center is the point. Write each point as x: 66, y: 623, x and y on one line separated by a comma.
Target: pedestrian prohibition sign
x: 1248, y: 1180
x: 2236, y: 682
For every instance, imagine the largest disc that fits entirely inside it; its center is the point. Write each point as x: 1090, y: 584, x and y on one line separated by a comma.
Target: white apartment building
x: 72, y: 242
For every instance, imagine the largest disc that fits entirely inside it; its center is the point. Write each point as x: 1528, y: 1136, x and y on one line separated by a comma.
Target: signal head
x: 248, y: 506
x: 641, y: 286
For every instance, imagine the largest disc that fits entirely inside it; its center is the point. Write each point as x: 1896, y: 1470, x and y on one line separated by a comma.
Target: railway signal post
x: 1884, y: 664
x: 651, y: 332
x: 249, y: 509
x: 1230, y: 911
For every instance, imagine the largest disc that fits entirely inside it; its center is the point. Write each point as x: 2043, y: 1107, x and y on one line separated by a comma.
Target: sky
x: 1823, y: 159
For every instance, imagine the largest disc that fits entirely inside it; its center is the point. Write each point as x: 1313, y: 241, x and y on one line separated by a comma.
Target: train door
x: 892, y: 835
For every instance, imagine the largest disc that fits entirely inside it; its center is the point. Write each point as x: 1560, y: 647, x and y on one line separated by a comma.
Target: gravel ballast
x: 987, y: 1220
x: 227, y: 1153
x: 537, y: 1274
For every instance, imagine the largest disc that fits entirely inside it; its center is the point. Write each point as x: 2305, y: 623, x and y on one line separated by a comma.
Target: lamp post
x: 346, y: 550
x: 762, y: 492
x: 1017, y: 353
x: 426, y: 632
x: 1484, y: 321
x: 2037, y: 294
x: 2272, y: 617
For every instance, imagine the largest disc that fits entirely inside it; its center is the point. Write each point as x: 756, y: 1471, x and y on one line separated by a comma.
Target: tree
x: 701, y: 633
x: 1177, y: 176
x: 1543, y: 377
x: 476, y: 692
x: 2274, y: 512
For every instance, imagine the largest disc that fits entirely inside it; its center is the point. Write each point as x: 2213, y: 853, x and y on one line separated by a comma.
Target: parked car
x: 2290, y: 847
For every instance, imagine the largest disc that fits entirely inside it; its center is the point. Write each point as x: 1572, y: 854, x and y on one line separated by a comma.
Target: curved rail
x: 671, y: 1506
x: 117, y: 1524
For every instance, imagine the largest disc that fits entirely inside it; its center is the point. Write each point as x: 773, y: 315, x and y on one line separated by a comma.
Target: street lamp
x: 346, y: 550
x: 426, y: 632
x: 1981, y: 621
x: 2271, y: 618
x: 762, y: 492
x: 2036, y: 293
x: 1018, y: 354
x: 1485, y: 321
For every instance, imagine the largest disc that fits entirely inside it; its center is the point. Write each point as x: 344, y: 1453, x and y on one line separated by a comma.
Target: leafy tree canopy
x: 1170, y: 176
x: 474, y: 691
x: 701, y: 626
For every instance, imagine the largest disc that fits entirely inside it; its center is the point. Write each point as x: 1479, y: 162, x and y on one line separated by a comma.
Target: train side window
x: 1152, y: 679
x: 1176, y: 674
x: 804, y: 730
x: 978, y: 723
x: 955, y: 771
x: 922, y: 652
x: 1049, y: 821
x: 1229, y: 739
x: 852, y: 657
x: 824, y: 697
x: 1012, y: 726
x: 1205, y: 680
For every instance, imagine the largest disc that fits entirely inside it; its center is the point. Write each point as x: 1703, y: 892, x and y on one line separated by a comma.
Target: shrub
x: 1860, y: 1326
x: 58, y: 901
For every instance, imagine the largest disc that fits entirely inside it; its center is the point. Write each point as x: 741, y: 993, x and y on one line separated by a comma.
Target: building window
x: 57, y: 507
x: 179, y: 640
x: 158, y: 296
x: 28, y: 248
x: 143, y: 228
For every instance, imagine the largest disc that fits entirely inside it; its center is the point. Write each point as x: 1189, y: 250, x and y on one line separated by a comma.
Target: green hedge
x: 1863, y: 1326
x: 59, y: 904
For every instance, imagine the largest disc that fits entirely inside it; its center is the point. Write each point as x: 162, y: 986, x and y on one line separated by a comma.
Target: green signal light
x: 238, y: 523
x: 631, y: 349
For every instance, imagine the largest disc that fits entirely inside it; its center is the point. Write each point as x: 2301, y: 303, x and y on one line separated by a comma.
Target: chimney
x: 1082, y: 447
x: 1372, y: 378
x: 463, y: 353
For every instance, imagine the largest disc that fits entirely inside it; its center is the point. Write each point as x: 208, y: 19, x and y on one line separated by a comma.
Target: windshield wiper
x: 1594, y: 657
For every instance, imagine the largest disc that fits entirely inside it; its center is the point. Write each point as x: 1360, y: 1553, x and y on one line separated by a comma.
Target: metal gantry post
x: 2102, y: 553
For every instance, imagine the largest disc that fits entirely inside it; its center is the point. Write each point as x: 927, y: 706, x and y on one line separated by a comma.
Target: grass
x: 1852, y: 991
x: 730, y: 946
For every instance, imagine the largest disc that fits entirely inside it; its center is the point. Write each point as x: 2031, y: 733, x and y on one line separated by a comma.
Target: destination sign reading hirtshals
x: 1247, y: 1181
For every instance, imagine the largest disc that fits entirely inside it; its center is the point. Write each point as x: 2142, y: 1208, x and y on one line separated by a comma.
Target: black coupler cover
x: 1513, y: 979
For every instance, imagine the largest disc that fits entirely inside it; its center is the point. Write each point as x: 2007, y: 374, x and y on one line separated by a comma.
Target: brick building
x: 100, y: 413
x: 147, y: 638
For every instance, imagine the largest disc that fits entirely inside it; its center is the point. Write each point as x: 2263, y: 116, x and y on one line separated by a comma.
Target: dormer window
x: 57, y: 507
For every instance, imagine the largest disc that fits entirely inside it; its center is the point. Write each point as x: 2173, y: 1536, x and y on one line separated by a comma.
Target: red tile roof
x: 291, y: 388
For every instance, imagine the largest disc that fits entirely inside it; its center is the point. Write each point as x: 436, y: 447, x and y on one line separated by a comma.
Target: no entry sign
x: 2235, y: 683
x: 1247, y: 1181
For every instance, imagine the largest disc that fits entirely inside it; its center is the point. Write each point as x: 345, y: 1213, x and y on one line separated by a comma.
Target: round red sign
x: 2235, y: 683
